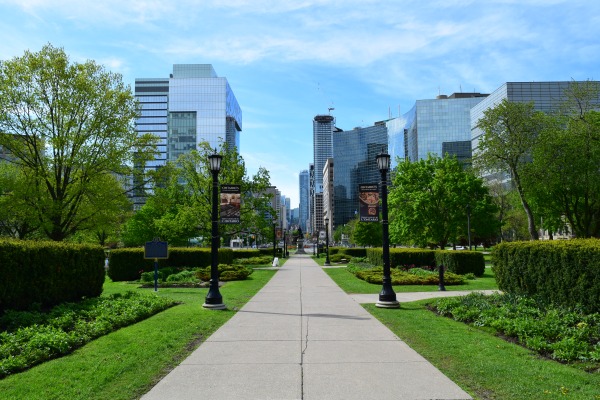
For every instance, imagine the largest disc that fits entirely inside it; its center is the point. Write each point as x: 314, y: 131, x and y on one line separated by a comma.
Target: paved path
x: 302, y: 337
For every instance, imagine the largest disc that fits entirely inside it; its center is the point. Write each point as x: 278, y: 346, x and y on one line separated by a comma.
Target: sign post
x: 156, y: 250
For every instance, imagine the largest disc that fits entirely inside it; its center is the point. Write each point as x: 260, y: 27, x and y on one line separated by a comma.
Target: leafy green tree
x: 67, y: 126
x: 16, y: 217
x: 181, y: 206
x: 428, y: 203
x: 367, y: 234
x: 564, y: 177
x: 510, y: 131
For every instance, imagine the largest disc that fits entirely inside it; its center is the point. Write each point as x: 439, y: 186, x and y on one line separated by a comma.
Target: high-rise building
x: 354, y: 153
x: 546, y: 97
x: 193, y: 105
x: 311, y: 200
x: 323, y: 127
x: 328, y: 195
x: 304, y: 192
x: 438, y: 126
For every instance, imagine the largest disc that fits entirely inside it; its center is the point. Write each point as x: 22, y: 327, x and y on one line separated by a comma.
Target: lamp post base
x: 387, y: 304
x: 219, y: 306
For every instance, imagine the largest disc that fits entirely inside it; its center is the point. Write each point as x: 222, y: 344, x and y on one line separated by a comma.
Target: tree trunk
x: 533, y: 233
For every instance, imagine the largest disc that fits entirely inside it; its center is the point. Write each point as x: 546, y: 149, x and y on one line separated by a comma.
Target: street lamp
x: 469, y: 224
x: 387, y: 296
x: 213, y: 298
x: 284, y: 245
x: 327, y: 241
x: 274, y: 239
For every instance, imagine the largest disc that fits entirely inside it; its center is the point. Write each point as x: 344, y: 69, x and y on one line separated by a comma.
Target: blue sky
x: 287, y: 61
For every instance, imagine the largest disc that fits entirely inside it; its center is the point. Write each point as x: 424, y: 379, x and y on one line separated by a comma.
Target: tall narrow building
x: 323, y: 128
x: 304, y: 192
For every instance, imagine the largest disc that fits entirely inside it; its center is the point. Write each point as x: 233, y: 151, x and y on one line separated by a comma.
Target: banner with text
x: 231, y: 201
x: 368, y: 195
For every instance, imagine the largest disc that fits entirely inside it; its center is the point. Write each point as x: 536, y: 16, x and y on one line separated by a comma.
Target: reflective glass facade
x: 193, y: 105
x: 438, y: 121
x: 304, y: 186
x: 323, y: 127
x: 545, y: 95
x: 354, y: 155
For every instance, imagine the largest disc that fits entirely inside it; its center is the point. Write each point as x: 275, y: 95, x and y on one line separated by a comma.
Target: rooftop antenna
x: 330, y: 109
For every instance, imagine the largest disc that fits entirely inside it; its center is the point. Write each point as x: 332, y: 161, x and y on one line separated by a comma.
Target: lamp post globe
x: 214, y: 300
x: 387, y: 296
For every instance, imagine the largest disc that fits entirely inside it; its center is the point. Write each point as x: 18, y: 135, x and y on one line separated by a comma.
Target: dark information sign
x: 156, y: 250
x: 368, y: 199
x: 231, y: 202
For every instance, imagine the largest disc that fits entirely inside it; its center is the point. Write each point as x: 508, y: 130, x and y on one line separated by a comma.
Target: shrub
x: 227, y: 272
x: 339, y: 257
x: 461, y: 262
x: 261, y: 260
x: 127, y: 264
x: 415, y: 276
x: 183, y: 276
x: 48, y: 273
x: 560, y: 272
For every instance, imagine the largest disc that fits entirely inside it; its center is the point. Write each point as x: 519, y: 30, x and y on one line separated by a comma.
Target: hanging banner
x: 231, y: 201
x: 368, y: 195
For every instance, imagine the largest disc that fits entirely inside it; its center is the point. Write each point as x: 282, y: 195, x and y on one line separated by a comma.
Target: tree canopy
x: 69, y: 129
x: 429, y: 199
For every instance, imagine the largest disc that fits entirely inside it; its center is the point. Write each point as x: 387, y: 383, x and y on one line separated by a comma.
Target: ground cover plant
x: 31, y: 337
x: 404, y: 275
x: 483, y: 364
x: 559, y: 333
x: 125, y: 364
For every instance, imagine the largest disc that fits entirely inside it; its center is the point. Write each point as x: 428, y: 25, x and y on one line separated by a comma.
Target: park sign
x: 156, y: 249
x: 368, y: 202
x: 231, y: 201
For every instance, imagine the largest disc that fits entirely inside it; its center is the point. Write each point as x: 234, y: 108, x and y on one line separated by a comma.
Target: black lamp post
x: 387, y: 296
x: 284, y: 246
x: 274, y: 239
x: 327, y: 241
x: 213, y: 298
x: 469, y: 224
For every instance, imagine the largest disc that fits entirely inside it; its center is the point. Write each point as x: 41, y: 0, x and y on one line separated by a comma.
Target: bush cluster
x: 560, y: 333
x: 414, y: 276
x: 258, y: 260
x: 560, y: 272
x: 48, y: 273
x: 458, y: 262
x: 348, y: 252
x: 30, y: 338
x: 129, y: 263
x: 227, y: 272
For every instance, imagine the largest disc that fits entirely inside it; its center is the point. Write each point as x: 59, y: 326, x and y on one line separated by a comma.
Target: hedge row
x: 48, y: 273
x: 458, y: 262
x: 559, y: 272
x: 129, y: 263
x: 350, y: 251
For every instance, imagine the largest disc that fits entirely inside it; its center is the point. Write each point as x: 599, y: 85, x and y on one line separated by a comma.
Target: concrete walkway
x: 302, y: 337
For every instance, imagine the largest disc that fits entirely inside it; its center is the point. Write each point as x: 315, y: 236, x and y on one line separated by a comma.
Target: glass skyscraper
x: 354, y: 154
x: 437, y: 126
x: 304, y: 192
x: 193, y: 105
x: 323, y: 127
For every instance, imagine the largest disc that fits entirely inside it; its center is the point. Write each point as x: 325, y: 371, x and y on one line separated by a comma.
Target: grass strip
x: 484, y: 365
x: 125, y: 364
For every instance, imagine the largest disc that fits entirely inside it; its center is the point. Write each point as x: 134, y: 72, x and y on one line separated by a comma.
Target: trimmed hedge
x: 559, y: 272
x: 48, y: 273
x: 461, y: 262
x: 350, y: 251
x: 458, y: 262
x: 129, y: 263
x: 227, y: 272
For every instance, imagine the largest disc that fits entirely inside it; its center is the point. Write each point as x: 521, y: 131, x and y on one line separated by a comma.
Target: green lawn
x: 350, y: 284
x: 127, y: 363
x: 484, y: 365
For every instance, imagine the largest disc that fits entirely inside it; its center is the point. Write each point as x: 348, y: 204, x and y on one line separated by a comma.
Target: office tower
x: 193, y: 105
x: 354, y: 154
x: 435, y: 126
x: 304, y: 191
x: 328, y: 194
x: 311, y: 198
x: 546, y: 97
x: 323, y: 127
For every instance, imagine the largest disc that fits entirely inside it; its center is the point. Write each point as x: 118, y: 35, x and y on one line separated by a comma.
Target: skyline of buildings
x: 444, y: 125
